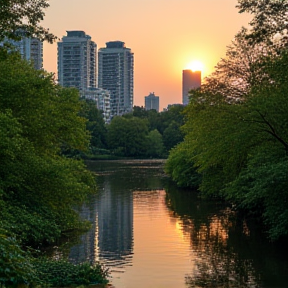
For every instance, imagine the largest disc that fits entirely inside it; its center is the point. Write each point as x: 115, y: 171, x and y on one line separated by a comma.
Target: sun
x: 195, y: 66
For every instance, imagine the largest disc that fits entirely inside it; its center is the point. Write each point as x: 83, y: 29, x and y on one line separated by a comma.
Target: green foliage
x: 62, y: 273
x: 47, y: 112
x: 180, y: 167
x: 261, y: 188
x: 39, y: 187
x: 140, y: 112
x: 174, y: 113
x: 40, y: 212
x: 269, y: 19
x: 19, y: 267
x: 95, y: 124
x: 23, y: 15
x: 15, y: 264
x: 155, y: 147
x: 128, y: 136
x: 172, y: 135
x: 168, y: 123
x: 241, y: 149
x: 141, y: 133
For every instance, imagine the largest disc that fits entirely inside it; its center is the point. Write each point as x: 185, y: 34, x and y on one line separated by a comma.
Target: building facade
x: 116, y: 74
x: 190, y: 80
x: 102, y: 99
x: 30, y: 49
x: 77, y: 60
x: 152, y: 102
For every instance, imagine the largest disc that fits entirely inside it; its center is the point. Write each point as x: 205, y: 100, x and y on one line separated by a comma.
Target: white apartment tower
x: 102, y: 99
x: 116, y: 74
x: 77, y: 57
x: 29, y: 48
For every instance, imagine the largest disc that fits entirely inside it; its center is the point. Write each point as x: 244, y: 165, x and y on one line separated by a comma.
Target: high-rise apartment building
x: 77, y: 57
x: 190, y: 80
x: 30, y: 49
x: 116, y: 74
x: 102, y: 99
x: 152, y: 102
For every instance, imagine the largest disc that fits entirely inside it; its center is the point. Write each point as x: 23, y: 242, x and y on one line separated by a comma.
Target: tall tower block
x: 116, y: 74
x: 152, y: 102
x: 190, y: 80
x: 77, y: 61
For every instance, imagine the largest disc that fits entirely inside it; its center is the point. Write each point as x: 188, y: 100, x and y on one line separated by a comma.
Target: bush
x: 15, y: 264
x: 180, y: 167
x: 62, y: 273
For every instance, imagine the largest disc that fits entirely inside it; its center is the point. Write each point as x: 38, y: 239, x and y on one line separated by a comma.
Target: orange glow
x: 195, y: 66
x: 164, y: 36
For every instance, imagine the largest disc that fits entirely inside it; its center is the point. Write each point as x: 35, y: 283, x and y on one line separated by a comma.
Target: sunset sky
x: 165, y: 36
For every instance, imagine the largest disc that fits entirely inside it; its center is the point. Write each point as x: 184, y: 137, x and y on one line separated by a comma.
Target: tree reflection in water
x: 228, y: 253
x: 218, y: 265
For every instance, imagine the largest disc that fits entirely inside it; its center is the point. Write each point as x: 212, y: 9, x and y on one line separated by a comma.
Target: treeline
x: 39, y: 186
x: 141, y: 133
x: 236, y: 130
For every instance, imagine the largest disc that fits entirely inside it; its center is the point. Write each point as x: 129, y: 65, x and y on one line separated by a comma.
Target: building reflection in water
x: 111, y: 238
x: 180, y: 240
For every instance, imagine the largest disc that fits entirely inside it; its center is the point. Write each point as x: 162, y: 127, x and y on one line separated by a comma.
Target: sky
x: 164, y: 35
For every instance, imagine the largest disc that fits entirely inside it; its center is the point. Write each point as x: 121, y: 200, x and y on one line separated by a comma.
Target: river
x: 151, y: 234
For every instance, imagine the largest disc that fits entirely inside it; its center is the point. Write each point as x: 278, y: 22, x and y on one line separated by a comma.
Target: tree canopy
x: 39, y: 188
x: 23, y: 15
x: 269, y: 20
x: 236, y: 133
x: 128, y: 136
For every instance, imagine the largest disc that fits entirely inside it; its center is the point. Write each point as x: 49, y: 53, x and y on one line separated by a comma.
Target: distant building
x: 30, y: 49
x: 190, y: 80
x: 116, y: 74
x: 77, y: 57
x: 152, y: 102
x: 102, y: 99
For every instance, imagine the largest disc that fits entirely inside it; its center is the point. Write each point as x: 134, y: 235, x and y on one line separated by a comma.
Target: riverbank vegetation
x: 236, y: 133
x: 39, y: 187
x: 139, y: 134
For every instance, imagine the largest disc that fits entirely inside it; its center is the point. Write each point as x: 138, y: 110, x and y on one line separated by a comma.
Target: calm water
x: 149, y: 234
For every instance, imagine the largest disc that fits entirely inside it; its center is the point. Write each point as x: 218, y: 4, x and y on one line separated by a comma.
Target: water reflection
x: 111, y: 237
x: 151, y: 234
x: 111, y: 211
x: 229, y: 251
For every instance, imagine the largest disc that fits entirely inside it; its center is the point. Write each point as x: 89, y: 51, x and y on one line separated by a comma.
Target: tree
x: 240, y: 70
x: 127, y: 136
x: 23, y: 15
x: 174, y: 113
x: 48, y: 112
x: 236, y: 131
x: 240, y: 149
x: 153, y: 119
x: 180, y: 167
x: 270, y: 20
x: 140, y: 112
x: 15, y: 264
x: 155, y: 147
x: 39, y: 187
x: 95, y: 124
x: 172, y: 135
